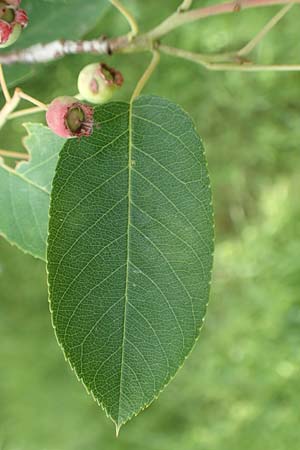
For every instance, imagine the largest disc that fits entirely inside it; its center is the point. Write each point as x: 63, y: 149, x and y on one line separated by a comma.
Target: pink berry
x: 68, y: 117
x: 12, y: 21
x: 97, y: 82
x: 5, y: 31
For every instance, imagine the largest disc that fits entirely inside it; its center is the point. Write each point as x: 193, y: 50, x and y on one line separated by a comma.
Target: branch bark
x: 42, y: 53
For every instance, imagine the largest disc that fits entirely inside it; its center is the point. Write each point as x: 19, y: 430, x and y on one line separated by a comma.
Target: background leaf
x: 24, y: 192
x: 130, y: 251
x: 51, y: 20
x: 57, y: 19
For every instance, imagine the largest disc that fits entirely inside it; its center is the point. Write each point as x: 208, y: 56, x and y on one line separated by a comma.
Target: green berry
x: 97, y: 82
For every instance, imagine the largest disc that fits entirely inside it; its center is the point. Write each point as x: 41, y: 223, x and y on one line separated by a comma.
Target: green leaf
x: 57, y: 19
x: 130, y: 251
x: 24, y: 192
x: 51, y: 20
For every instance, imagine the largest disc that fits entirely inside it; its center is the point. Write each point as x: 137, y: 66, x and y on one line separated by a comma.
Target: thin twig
x: 268, y: 27
x: 147, y: 74
x: 130, y: 19
x: 9, y: 107
x: 33, y: 100
x: 185, y: 5
x: 4, y: 85
x: 14, y: 155
x: 184, y: 54
x: 209, y: 62
x: 254, y: 67
x: 13, y: 103
x: 177, y: 20
x: 25, y: 112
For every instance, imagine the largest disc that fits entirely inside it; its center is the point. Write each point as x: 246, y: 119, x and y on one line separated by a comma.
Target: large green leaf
x: 51, y: 20
x: 130, y: 251
x: 24, y: 192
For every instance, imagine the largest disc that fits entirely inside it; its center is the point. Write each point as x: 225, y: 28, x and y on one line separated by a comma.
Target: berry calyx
x: 97, y: 82
x: 68, y: 117
x: 21, y: 18
x: 12, y: 21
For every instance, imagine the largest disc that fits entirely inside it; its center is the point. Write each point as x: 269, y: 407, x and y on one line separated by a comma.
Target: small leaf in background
x: 130, y: 251
x: 24, y: 192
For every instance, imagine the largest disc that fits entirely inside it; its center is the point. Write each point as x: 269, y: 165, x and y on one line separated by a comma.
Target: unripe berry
x: 68, y: 117
x: 97, y: 82
x: 12, y: 21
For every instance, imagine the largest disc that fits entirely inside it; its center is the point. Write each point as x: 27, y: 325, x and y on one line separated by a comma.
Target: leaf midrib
x: 27, y: 180
x: 127, y: 258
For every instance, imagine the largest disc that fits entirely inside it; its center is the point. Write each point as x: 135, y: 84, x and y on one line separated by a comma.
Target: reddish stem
x: 214, y: 10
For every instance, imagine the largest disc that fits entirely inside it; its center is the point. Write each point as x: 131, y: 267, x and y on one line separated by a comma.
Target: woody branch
x: 41, y: 53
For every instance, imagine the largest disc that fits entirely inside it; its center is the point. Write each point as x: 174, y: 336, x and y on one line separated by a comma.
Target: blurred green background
x: 240, y: 388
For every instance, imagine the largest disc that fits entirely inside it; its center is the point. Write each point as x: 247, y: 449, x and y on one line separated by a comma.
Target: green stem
x: 268, y: 27
x: 147, y: 74
x: 4, y: 85
x: 178, y: 19
x: 185, y: 5
x: 211, y: 62
x: 130, y: 19
x: 25, y: 112
x: 14, y: 155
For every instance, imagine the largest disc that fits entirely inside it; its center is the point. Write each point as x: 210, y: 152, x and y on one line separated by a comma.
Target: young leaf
x: 130, y: 251
x: 24, y: 192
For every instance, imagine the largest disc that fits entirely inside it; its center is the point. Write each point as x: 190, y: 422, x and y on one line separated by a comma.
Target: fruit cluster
x: 67, y: 116
x: 12, y: 20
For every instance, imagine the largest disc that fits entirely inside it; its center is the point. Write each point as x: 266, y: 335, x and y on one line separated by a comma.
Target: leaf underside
x: 25, y: 192
x: 130, y: 251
